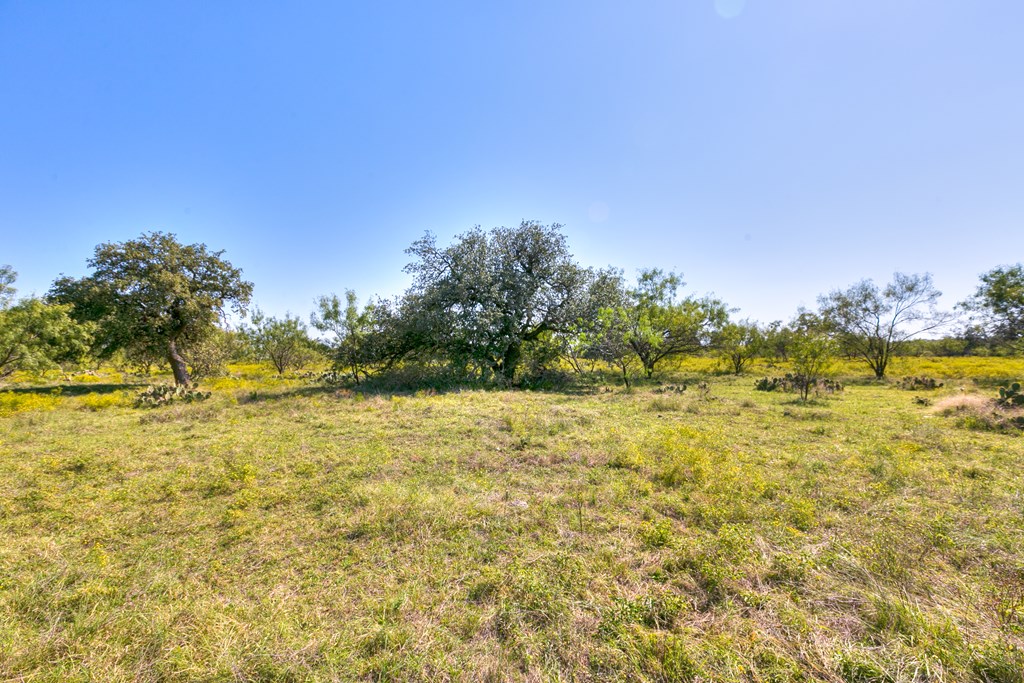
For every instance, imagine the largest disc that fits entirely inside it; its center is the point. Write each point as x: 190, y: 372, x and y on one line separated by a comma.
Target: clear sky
x: 770, y: 150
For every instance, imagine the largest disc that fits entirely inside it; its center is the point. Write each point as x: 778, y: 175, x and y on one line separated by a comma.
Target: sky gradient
x: 770, y: 150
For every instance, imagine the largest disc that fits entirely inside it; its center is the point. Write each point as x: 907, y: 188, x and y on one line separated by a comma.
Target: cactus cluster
x: 798, y: 382
x: 330, y: 377
x: 157, y: 395
x: 1010, y: 395
x: 917, y: 383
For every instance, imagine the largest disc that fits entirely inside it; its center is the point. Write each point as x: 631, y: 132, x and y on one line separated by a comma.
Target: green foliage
x: 157, y: 395
x: 477, y: 302
x: 812, y: 355
x: 210, y: 356
x: 609, y: 341
x: 657, y: 324
x: 656, y: 534
x: 999, y: 303
x: 1010, y: 395
x: 800, y: 382
x: 36, y: 336
x: 738, y: 344
x: 154, y: 296
x: 282, y: 341
x: 359, y: 342
x: 7, y: 290
x: 875, y: 323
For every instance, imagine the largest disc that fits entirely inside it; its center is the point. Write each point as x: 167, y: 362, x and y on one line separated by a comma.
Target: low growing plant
x: 1010, y: 395
x: 157, y: 395
x: 918, y: 383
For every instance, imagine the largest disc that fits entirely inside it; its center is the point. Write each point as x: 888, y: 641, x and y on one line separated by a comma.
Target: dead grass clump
x: 963, y: 403
x: 979, y: 412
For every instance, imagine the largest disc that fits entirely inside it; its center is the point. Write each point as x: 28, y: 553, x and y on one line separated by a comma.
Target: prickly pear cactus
x: 164, y: 394
x: 1010, y: 395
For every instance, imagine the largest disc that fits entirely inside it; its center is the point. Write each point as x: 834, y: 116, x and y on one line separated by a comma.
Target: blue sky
x: 770, y: 150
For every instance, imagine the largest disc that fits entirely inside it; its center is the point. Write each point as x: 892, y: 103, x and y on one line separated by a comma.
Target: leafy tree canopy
x: 660, y: 325
x: 154, y: 295
x: 282, y: 341
x: 7, y: 290
x: 999, y: 303
x: 34, y: 335
x: 482, y: 298
x: 873, y: 323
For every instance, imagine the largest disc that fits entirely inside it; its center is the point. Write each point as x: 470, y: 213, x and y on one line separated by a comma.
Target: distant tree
x: 660, y: 325
x: 610, y: 341
x: 481, y: 299
x: 812, y: 354
x: 154, y: 296
x: 360, y: 342
x: 284, y: 342
x: 34, y: 335
x: 584, y: 344
x: 998, y: 304
x: 211, y: 355
x: 873, y: 323
x: 7, y: 290
x: 776, y: 343
x: 739, y: 343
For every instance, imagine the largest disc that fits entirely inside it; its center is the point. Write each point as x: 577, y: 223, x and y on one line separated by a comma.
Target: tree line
x: 497, y: 305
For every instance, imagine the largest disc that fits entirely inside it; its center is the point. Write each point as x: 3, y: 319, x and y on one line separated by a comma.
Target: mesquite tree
x: 873, y: 323
x: 659, y: 325
x: 998, y: 304
x: 34, y: 335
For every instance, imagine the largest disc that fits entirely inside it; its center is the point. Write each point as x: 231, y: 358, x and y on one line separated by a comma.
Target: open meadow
x: 284, y: 531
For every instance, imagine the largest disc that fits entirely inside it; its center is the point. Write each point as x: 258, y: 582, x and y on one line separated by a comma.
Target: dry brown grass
x: 980, y: 412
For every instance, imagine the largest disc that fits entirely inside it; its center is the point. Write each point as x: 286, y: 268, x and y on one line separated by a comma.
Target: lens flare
x: 730, y: 9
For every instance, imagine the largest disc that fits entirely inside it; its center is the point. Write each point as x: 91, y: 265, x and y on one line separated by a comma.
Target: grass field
x: 283, y: 532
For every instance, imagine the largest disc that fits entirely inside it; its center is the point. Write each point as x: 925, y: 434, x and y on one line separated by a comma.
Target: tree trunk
x: 510, y: 361
x: 178, y: 365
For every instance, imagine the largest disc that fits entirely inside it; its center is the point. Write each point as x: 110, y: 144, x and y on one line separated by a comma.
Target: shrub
x: 656, y: 534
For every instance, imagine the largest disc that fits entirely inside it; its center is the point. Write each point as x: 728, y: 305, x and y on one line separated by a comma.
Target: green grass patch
x: 280, y: 531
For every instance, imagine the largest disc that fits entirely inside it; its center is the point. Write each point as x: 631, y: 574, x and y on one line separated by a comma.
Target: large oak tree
x: 481, y: 299
x: 154, y: 295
